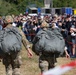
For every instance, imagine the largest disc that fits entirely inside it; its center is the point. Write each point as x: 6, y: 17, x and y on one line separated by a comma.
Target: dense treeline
x: 64, y: 3
x: 19, y: 6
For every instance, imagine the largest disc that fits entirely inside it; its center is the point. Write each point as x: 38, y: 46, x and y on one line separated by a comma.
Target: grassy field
x: 30, y: 65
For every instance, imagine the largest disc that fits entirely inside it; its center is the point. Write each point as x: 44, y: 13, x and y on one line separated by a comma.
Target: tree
x: 64, y: 3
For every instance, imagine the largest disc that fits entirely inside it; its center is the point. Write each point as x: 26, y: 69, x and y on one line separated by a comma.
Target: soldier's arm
x: 26, y: 43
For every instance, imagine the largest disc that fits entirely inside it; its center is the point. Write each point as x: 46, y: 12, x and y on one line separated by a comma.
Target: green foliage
x: 64, y: 3
x: 19, y: 6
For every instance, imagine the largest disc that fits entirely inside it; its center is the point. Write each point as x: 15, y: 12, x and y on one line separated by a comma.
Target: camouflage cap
x: 9, y: 19
x: 44, y: 24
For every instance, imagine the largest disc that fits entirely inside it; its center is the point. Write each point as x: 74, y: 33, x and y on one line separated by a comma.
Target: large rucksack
x: 48, y: 41
x: 10, y: 40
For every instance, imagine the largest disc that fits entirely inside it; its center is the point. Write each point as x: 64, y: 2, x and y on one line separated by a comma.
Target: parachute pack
x: 48, y: 41
x: 10, y: 40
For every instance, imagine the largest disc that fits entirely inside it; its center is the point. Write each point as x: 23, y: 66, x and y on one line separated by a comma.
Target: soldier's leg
x: 52, y: 62
x: 16, y: 71
x: 16, y: 63
x: 6, y: 62
x: 43, y: 64
x: 8, y: 69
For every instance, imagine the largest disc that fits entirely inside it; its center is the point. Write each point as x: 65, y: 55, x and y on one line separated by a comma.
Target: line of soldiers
x: 14, y: 60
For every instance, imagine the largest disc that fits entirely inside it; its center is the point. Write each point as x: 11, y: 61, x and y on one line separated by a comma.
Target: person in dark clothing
x: 19, y: 23
x: 28, y: 30
x: 73, y: 35
x: 68, y: 39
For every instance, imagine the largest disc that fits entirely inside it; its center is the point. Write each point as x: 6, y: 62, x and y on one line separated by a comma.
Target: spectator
x: 68, y: 24
x: 73, y: 39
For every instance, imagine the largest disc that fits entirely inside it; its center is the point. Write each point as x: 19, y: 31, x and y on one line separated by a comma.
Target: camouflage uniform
x: 46, y: 61
x: 14, y: 59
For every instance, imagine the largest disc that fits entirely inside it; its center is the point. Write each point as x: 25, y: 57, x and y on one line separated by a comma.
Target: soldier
x: 14, y: 59
x: 44, y: 45
x: 46, y: 61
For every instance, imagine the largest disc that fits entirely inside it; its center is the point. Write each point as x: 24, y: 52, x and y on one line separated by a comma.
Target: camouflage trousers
x: 12, y: 63
x: 46, y: 62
